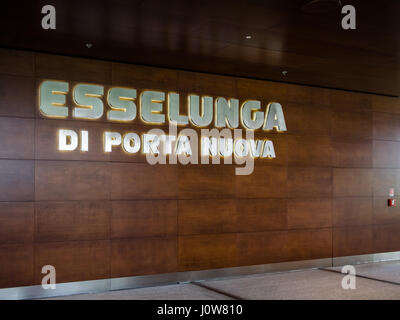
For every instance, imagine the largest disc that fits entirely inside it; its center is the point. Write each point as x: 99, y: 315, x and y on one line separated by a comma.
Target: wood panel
x: 16, y: 267
x: 68, y: 68
x: 143, y: 77
x: 309, y: 244
x: 71, y: 180
x: 207, y: 216
x: 229, y: 215
x: 350, y: 101
x: 16, y: 62
x: 382, y: 214
x: 309, y: 182
x: 74, y: 260
x: 386, y: 154
x: 309, y: 151
x: 355, y: 153
x: 142, y: 181
x: 347, y: 124
x: 350, y: 241
x: 100, y: 215
x: 386, y: 237
x: 261, y: 214
x: 17, y: 138
x: 384, y: 179
x: 352, y: 182
x: 385, y: 104
x: 303, y: 119
x: 386, y: 125
x: 206, y: 181
x: 261, y: 248
x: 16, y: 180
x: 206, y: 84
x: 309, y: 213
x: 72, y: 220
x: 17, y: 96
x: 353, y: 211
x: 317, y: 97
x: 210, y: 37
x: 16, y: 222
x: 261, y: 90
x: 132, y: 257
x: 137, y: 219
x: 207, y: 251
x: 265, y: 181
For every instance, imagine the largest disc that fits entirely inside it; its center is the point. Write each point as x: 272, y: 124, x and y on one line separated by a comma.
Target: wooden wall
x: 94, y: 215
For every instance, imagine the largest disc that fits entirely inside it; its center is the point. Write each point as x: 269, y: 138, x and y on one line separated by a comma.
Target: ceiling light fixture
x: 89, y: 45
x: 248, y: 37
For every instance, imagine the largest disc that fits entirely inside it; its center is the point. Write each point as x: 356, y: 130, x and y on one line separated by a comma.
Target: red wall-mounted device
x: 391, y: 202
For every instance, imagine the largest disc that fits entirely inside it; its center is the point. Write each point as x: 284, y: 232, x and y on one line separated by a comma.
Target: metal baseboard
x: 366, y: 258
x: 104, y: 285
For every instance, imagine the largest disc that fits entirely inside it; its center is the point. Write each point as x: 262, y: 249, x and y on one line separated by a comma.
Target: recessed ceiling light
x: 248, y: 37
x: 89, y: 45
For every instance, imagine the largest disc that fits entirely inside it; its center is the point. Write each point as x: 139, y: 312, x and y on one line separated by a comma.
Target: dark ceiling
x: 210, y: 36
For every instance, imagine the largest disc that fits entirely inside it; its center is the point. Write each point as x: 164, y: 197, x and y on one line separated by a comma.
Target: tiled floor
x: 385, y: 271
x: 170, y: 292
x: 305, y: 284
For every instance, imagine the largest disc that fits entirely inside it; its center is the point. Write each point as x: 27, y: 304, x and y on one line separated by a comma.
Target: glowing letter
x: 151, y: 106
x: 52, y: 99
x: 131, y: 143
x: 87, y: 98
x: 84, y: 140
x: 122, y: 104
x: 150, y: 143
x: 249, y: 121
x: 227, y: 113
x: 64, y: 136
x: 173, y: 109
x: 183, y: 146
x: 241, y: 148
x: 209, y: 146
x: 206, y: 116
x: 255, y: 147
x: 226, y: 147
x: 111, y: 139
x: 274, y: 118
x: 268, y: 150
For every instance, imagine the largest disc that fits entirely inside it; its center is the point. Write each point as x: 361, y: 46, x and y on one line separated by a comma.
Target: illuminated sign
x: 128, y: 105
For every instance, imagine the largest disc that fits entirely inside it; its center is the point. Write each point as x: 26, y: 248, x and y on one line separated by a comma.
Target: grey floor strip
x: 361, y: 276
x: 224, y: 293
